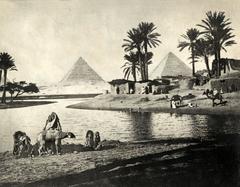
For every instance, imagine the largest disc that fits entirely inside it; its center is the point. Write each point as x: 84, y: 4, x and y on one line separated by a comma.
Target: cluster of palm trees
x: 6, y: 63
x: 136, y: 46
x: 215, y: 36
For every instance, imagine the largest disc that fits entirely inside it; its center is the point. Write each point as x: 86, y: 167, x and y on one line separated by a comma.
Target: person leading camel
x: 53, y: 122
x: 52, y: 137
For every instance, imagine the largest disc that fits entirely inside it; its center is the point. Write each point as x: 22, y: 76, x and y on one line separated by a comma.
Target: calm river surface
x: 114, y: 125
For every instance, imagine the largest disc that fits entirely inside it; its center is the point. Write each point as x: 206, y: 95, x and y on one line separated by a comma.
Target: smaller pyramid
x: 172, y: 66
x: 81, y: 73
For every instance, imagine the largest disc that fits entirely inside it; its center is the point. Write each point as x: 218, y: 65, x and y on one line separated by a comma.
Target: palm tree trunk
x: 0, y: 77
x: 147, y: 72
x: 134, y: 72
x: 193, y: 64
x: 216, y: 65
x: 140, y: 62
x: 141, y: 68
x: 144, y: 70
x: 217, y: 58
x: 145, y: 62
x: 4, y: 88
x: 207, y: 65
x: 219, y: 63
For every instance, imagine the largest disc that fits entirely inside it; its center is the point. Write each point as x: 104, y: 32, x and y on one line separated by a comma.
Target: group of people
x: 145, y: 90
x: 93, y: 140
x: 52, y: 129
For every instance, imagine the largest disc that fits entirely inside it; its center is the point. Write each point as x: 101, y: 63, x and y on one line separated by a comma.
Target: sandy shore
x: 74, y: 160
x: 159, y: 103
x: 169, y: 161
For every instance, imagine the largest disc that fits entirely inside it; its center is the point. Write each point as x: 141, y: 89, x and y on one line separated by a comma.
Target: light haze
x: 47, y: 37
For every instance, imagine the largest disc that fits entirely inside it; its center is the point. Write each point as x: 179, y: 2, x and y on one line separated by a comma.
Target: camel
x: 52, y: 137
x: 213, y: 97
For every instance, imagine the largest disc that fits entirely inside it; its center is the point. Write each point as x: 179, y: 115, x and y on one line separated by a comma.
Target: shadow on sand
x: 209, y: 163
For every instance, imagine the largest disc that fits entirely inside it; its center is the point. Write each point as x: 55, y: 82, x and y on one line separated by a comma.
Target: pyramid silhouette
x: 80, y: 73
x: 170, y: 65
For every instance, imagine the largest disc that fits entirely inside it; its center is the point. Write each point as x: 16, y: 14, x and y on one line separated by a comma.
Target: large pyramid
x: 81, y: 73
x: 172, y: 66
x: 81, y: 79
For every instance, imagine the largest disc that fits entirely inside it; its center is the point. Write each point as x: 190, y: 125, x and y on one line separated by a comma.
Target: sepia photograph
x: 119, y: 93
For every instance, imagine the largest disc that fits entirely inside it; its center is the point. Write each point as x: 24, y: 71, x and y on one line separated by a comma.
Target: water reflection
x: 221, y: 124
x: 141, y: 125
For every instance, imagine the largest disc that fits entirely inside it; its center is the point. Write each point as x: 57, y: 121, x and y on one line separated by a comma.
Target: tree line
x: 7, y: 64
x: 215, y: 36
x: 137, y: 44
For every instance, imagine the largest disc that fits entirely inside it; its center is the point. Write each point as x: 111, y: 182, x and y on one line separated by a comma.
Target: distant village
x: 169, y: 74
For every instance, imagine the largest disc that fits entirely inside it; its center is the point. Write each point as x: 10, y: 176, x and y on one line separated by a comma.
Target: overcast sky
x: 47, y: 37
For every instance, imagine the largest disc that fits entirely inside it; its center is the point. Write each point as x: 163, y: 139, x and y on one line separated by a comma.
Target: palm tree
x: 204, y: 49
x: 131, y: 66
x: 217, y: 30
x: 190, y: 37
x: 0, y: 77
x: 134, y: 42
x: 6, y: 63
x: 147, y: 59
x: 149, y: 39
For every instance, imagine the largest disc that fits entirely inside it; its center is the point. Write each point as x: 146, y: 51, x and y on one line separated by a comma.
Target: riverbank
x: 27, y: 100
x: 129, y: 163
x: 160, y: 103
x: 20, y: 104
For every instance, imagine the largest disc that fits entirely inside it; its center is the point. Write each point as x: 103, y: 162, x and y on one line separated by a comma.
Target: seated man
x: 97, y: 141
x: 89, y: 139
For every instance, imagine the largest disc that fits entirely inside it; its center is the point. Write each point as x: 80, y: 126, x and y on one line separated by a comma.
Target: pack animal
x: 52, y: 137
x: 213, y: 97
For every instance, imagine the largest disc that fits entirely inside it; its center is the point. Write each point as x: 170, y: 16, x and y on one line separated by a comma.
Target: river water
x: 115, y: 125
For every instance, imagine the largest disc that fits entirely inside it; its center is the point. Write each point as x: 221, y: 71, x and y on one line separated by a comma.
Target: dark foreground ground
x: 206, y: 163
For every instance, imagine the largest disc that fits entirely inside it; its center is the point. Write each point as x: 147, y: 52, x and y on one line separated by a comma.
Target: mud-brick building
x: 121, y: 86
x: 229, y: 81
